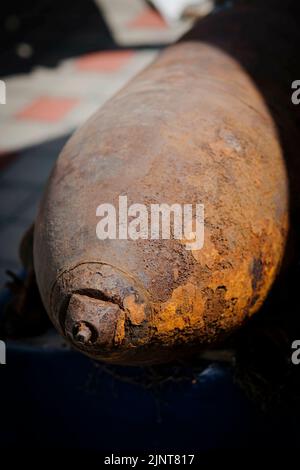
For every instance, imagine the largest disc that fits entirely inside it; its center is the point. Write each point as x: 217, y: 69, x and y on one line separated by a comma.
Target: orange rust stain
x: 191, y: 303
x: 135, y: 312
x: 120, y: 329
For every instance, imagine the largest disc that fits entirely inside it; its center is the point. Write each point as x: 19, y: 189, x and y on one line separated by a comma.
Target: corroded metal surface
x: 191, y: 128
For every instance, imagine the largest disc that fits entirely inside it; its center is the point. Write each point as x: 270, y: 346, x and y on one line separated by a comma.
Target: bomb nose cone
x: 93, y: 323
x: 103, y: 312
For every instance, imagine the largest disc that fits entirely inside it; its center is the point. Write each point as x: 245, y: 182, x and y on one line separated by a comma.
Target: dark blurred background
x: 45, y: 31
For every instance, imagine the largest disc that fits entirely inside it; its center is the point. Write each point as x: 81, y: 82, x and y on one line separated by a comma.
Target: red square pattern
x: 47, y: 109
x: 104, y: 61
x: 148, y: 19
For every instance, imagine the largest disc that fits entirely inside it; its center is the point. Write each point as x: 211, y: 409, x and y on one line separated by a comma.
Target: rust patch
x: 135, y: 311
x: 256, y: 273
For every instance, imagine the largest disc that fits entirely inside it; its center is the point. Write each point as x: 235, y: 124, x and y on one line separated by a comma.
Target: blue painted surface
x: 57, y: 398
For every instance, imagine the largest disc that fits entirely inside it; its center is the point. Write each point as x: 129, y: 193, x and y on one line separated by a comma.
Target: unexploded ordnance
x: 191, y: 128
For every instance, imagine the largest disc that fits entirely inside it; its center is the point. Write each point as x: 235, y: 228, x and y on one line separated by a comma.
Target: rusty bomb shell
x: 192, y: 128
